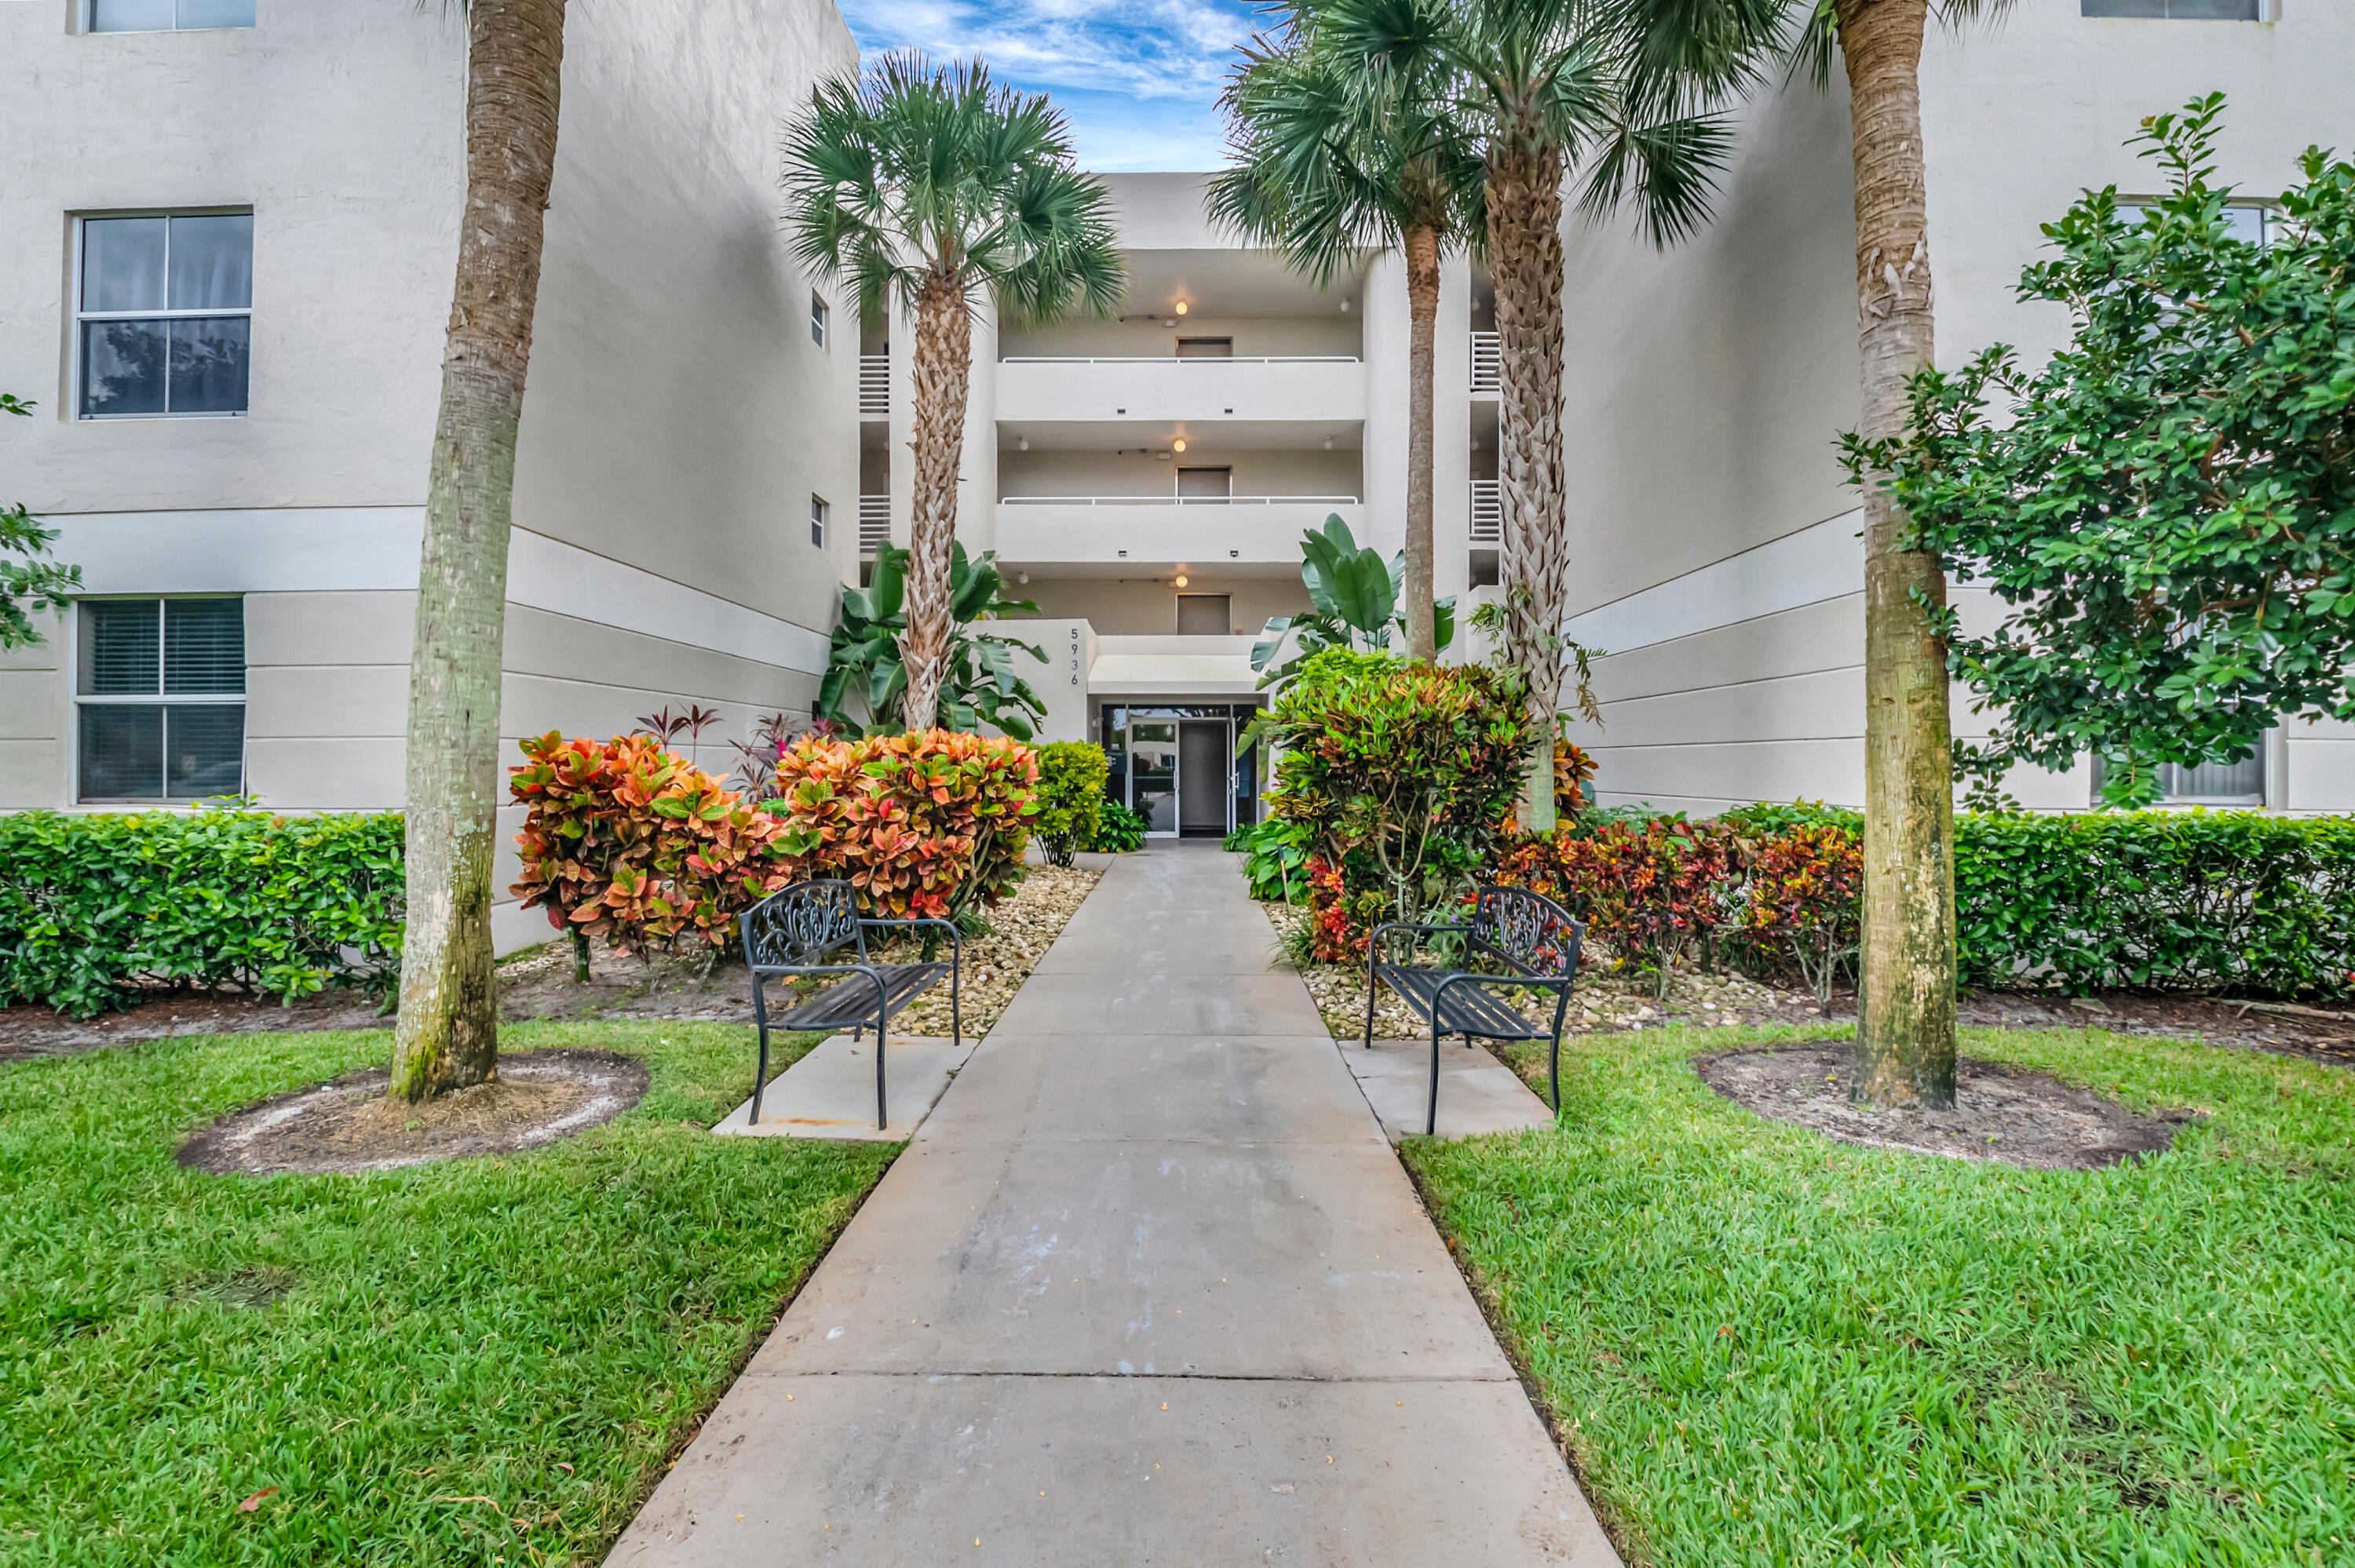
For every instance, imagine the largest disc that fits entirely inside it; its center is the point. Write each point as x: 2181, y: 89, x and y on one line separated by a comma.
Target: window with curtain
x: 164, y: 314
x: 166, y: 15
x: 160, y: 698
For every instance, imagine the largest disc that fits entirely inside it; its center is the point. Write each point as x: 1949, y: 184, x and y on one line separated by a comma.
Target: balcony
x: 1485, y: 359
x: 1163, y: 389
x: 1162, y: 530
x: 1487, y: 513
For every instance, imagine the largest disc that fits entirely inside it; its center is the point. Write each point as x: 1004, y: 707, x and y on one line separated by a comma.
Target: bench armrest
x: 957, y: 941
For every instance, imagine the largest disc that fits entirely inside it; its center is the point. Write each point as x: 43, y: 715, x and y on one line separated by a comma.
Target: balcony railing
x: 1484, y: 362
x: 1487, y: 513
x: 874, y: 522
x: 1179, y: 500
x: 1175, y: 359
x: 874, y: 386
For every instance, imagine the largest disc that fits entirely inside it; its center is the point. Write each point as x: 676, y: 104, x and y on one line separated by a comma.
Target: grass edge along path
x: 485, y: 1361
x: 1763, y: 1346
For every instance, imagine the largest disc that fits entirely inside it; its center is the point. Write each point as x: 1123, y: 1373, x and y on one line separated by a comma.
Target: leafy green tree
x: 1354, y: 603
x: 2167, y: 505
x: 1338, y: 148
x: 865, y: 667
x: 447, y: 1036
x: 933, y: 188
x: 1620, y: 91
x: 31, y: 581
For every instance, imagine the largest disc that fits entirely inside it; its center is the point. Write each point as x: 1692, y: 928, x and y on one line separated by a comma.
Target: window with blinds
x: 160, y: 699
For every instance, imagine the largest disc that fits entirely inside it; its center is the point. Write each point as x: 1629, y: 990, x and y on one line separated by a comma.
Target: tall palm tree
x: 1620, y: 88
x: 447, y: 1036
x: 931, y: 187
x: 1906, y: 971
x: 1337, y: 149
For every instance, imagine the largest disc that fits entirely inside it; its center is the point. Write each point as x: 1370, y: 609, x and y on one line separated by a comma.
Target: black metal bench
x: 794, y: 931
x: 1531, y: 938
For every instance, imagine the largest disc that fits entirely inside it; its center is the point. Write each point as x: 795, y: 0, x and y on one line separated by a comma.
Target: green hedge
x: 91, y: 905
x: 2198, y: 900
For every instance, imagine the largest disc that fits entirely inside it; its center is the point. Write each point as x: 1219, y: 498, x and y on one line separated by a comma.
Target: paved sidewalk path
x: 1148, y: 1287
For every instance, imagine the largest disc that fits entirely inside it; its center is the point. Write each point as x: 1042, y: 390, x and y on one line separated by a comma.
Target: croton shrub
x: 1401, y: 775
x: 625, y: 840
x: 1653, y: 889
x: 927, y: 824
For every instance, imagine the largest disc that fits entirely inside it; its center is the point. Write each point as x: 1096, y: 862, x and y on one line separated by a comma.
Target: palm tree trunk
x: 1905, y: 1011
x: 944, y: 363
x: 1423, y: 331
x: 448, y: 1031
x: 1525, y: 252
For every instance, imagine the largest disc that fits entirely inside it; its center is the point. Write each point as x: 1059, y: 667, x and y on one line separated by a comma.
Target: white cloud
x: 1139, y: 79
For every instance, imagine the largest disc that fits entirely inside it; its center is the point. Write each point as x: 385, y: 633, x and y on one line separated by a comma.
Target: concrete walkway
x: 1149, y: 1287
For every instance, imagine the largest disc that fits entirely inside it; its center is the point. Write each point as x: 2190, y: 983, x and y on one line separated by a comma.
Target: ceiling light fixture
x: 1179, y: 445
x: 1181, y: 307
x: 1345, y: 307
x: 1181, y: 580
x: 1328, y: 444
x: 1022, y: 443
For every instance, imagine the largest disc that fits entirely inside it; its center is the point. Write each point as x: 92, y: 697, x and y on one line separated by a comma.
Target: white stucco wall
x: 1713, y: 539
x: 677, y: 423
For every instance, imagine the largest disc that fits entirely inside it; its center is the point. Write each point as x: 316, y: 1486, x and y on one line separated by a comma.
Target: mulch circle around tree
x: 537, y: 1097
x: 2001, y: 1113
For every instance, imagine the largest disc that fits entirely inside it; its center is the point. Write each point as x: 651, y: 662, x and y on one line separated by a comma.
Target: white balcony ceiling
x: 1235, y: 285
x: 1222, y: 435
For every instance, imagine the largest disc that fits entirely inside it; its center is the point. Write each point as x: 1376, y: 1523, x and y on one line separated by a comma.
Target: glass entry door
x: 1153, y: 775
x: 1175, y: 766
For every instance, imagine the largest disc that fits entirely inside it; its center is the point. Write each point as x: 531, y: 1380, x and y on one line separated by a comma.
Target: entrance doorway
x: 1205, y: 783
x: 1174, y: 764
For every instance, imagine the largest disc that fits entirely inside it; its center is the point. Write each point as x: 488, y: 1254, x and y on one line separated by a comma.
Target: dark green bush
x: 1118, y: 829
x: 93, y: 906
x: 2200, y: 901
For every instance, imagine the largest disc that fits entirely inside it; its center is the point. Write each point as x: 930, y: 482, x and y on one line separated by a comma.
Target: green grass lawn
x: 1769, y: 1348
x: 486, y: 1360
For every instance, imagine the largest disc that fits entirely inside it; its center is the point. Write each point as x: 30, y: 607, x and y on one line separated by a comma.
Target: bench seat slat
x: 851, y: 1000
x: 1469, y: 1009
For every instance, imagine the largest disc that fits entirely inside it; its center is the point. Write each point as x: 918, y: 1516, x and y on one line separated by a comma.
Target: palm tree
x: 931, y: 187
x: 1619, y: 86
x: 447, y: 1036
x: 1336, y: 150
x: 1906, y: 974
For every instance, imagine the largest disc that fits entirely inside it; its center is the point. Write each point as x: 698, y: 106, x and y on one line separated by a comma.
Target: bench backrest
x: 799, y: 925
x: 1528, y: 932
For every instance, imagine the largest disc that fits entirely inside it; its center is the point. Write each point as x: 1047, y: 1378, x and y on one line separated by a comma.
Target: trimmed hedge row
x: 2183, y: 901
x: 2196, y: 901
x: 93, y: 906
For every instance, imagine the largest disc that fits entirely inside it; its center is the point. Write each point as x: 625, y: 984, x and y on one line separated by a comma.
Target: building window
x: 819, y: 515
x: 2180, y: 10
x: 166, y: 15
x: 1210, y: 484
x: 164, y: 314
x: 160, y: 698
x: 1205, y: 349
x: 2247, y: 221
x: 818, y: 313
x: 1203, y: 615
x: 2239, y: 783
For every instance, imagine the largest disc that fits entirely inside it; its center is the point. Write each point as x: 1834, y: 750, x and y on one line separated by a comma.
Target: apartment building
x: 1147, y: 479
x: 226, y: 237
x: 1714, y: 542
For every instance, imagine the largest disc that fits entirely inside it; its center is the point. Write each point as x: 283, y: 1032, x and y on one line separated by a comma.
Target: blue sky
x: 1138, y: 78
